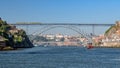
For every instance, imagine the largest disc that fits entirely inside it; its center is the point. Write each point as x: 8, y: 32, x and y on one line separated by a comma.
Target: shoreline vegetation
x: 12, y: 38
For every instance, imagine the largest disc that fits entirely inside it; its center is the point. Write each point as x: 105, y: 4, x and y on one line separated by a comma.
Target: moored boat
x: 89, y: 46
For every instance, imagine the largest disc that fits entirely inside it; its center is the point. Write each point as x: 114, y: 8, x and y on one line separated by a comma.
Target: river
x: 61, y: 57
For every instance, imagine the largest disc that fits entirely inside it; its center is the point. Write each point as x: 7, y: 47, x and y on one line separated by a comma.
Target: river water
x: 61, y: 57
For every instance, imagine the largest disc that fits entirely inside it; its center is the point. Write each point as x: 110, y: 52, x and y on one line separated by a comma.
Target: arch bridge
x: 74, y: 27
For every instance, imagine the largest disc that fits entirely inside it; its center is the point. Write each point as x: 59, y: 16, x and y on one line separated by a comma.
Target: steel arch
x: 71, y: 27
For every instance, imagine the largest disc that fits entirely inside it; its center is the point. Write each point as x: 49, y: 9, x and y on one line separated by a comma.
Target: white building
x: 50, y: 36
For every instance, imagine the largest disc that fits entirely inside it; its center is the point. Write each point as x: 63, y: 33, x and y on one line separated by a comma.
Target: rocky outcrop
x: 13, y: 37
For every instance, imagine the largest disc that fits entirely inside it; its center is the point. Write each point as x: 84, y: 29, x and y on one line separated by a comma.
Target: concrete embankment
x: 107, y: 46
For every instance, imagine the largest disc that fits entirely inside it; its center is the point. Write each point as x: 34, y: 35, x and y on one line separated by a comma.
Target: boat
x: 89, y: 46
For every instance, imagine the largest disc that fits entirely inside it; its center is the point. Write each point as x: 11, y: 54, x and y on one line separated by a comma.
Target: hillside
x: 113, y: 30
x: 12, y: 37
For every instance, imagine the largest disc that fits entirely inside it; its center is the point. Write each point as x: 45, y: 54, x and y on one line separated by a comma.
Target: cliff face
x: 13, y: 37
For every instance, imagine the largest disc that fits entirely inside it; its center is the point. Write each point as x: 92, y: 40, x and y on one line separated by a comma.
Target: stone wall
x: 111, y: 44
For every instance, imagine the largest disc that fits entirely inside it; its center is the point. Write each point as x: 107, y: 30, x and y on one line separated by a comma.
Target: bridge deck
x: 64, y: 24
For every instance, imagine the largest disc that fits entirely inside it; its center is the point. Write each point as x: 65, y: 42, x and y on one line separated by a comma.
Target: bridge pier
x: 93, y: 29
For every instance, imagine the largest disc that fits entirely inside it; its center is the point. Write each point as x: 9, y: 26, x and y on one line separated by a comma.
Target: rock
x: 13, y: 37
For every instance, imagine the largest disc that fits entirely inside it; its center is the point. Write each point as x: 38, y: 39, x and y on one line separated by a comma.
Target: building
x: 50, y: 36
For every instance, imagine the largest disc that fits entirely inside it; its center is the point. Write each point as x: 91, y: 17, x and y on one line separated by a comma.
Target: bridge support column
x: 93, y: 29
x: 27, y: 29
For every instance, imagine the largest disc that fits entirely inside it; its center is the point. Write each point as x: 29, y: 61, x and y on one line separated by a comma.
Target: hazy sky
x: 60, y: 11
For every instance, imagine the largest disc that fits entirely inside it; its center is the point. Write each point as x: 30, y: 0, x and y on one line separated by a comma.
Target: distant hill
x: 29, y: 23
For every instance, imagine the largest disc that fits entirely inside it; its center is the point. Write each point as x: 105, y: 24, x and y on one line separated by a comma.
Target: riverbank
x: 7, y: 48
x: 107, y: 46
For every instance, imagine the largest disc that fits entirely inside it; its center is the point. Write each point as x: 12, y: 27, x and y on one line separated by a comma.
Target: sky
x: 60, y: 11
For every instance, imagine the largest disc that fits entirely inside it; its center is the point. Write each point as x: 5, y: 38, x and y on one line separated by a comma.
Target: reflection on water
x: 61, y: 57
